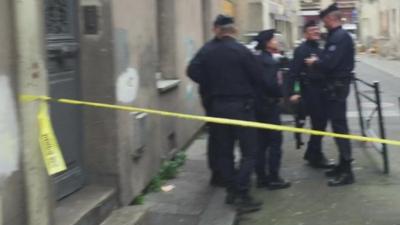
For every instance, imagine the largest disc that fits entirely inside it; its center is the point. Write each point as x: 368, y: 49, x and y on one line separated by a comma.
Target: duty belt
x: 269, y: 100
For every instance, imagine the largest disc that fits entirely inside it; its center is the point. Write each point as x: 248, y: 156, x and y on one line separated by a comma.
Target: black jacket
x: 226, y: 68
x: 270, y: 75
x: 299, y: 71
x: 338, y: 57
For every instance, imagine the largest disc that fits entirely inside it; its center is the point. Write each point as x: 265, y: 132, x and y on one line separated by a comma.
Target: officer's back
x: 228, y: 69
x: 228, y: 73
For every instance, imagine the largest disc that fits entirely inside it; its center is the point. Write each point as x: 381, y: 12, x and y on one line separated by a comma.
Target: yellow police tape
x: 213, y: 119
x: 51, y: 151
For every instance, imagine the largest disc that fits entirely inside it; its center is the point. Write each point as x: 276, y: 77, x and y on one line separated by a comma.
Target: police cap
x: 263, y: 37
x: 223, y: 20
x: 327, y: 11
x: 311, y: 23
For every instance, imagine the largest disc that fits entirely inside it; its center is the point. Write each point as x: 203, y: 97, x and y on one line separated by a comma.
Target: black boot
x: 216, y: 180
x: 316, y: 159
x: 334, y: 172
x: 341, y: 180
x: 244, y: 203
x: 273, y: 183
x: 278, y: 183
x: 307, y: 155
x: 262, y: 182
x: 321, y: 163
x: 345, y: 177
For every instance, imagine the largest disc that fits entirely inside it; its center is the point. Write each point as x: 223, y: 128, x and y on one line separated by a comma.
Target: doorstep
x: 89, y: 206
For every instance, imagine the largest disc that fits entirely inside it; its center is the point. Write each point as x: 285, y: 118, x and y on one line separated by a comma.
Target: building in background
x: 349, y: 9
x: 228, y: 7
x: 256, y: 15
x: 380, y: 26
x: 310, y: 11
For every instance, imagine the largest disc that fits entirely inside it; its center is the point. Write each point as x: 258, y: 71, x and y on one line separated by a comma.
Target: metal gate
x: 366, y: 123
x: 63, y: 68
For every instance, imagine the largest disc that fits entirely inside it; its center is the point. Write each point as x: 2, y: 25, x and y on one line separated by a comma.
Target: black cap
x: 263, y: 37
x: 223, y: 20
x: 331, y: 8
x: 310, y: 23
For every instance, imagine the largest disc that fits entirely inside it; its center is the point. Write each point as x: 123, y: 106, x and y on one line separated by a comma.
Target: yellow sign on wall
x: 228, y: 8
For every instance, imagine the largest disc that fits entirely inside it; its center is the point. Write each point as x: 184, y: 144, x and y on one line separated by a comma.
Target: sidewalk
x: 391, y: 67
x: 373, y: 200
x: 192, y: 201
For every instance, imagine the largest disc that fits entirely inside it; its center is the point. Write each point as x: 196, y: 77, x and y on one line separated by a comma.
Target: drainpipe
x: 32, y: 79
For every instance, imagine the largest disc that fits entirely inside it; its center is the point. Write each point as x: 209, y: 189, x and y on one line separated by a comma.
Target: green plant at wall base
x: 139, y: 200
x: 155, y: 184
x: 180, y: 158
x: 169, y: 170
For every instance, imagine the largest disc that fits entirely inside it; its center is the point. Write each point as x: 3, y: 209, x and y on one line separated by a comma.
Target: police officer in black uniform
x: 312, y: 84
x: 268, y: 111
x: 229, y: 76
x: 212, y: 148
x: 337, y: 63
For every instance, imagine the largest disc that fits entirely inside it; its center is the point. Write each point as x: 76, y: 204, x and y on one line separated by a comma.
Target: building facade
x: 310, y: 11
x: 256, y: 15
x: 126, y: 52
x: 380, y: 31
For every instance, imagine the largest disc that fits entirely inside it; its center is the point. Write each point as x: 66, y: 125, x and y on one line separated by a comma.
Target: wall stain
x: 190, y: 48
x: 9, y: 140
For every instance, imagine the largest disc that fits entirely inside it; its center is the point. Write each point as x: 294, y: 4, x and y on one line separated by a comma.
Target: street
x: 373, y: 199
x: 103, y: 103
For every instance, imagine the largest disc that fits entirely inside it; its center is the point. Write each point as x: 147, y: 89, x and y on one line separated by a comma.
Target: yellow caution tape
x: 214, y: 120
x: 51, y: 151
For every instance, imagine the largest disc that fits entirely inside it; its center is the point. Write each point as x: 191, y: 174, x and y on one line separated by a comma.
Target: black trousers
x: 269, y: 153
x: 224, y: 137
x: 327, y: 103
x: 212, y: 155
x: 212, y: 149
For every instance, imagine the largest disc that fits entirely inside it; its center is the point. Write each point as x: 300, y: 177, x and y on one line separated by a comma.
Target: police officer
x: 337, y: 63
x: 212, y: 148
x: 268, y: 111
x: 229, y: 76
x: 312, y: 91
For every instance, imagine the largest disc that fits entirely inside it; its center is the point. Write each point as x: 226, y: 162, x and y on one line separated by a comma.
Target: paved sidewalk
x: 192, y: 201
x: 391, y: 67
x: 373, y: 200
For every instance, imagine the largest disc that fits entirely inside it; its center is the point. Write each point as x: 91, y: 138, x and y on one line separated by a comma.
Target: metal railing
x: 366, y: 122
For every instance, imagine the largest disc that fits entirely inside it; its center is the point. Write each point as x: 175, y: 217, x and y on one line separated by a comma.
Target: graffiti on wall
x: 190, y: 49
x: 127, y: 85
x: 128, y: 81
